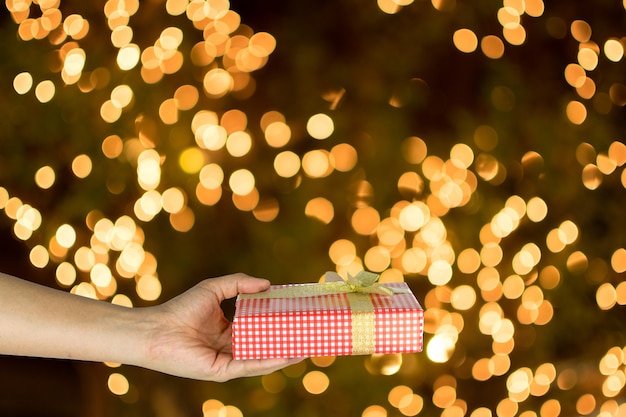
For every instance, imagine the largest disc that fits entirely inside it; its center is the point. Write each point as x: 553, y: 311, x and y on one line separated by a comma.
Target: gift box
x: 334, y: 318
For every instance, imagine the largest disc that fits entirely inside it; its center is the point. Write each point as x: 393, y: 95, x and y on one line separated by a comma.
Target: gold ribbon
x: 358, y: 289
x: 364, y: 283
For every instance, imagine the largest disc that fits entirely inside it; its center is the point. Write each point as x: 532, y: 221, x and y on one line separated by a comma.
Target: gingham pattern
x: 321, y: 326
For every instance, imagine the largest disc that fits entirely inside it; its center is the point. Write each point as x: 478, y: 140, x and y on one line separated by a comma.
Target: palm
x: 195, y: 337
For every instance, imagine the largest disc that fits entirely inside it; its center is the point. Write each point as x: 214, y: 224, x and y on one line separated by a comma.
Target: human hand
x: 191, y: 337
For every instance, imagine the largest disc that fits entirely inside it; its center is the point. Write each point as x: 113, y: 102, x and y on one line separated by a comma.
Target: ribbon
x: 358, y: 289
x: 364, y: 283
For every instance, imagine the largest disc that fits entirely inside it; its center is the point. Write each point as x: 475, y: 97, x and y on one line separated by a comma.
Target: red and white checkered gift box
x: 333, y: 324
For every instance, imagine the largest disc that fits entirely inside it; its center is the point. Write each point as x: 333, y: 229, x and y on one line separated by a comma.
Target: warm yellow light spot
x: 617, y: 153
x: 618, y: 260
x: 109, y: 112
x: 149, y: 169
x: 321, y: 209
x: 100, y: 275
x: 217, y: 83
x: 577, y: 262
x: 587, y: 90
x: 414, y: 216
x: 515, y: 35
x: 492, y: 46
x: 76, y: 26
x: 487, y: 166
x: 606, y: 296
x: 491, y: 254
x: 211, y: 176
x: 74, y: 62
x: 84, y: 258
x: 412, y: 405
x: 315, y: 382
x: 343, y: 157
x: 440, y: 347
x: 112, y: 146
x: 342, y: 252
x: 241, y: 182
x: 287, y: 164
x: 463, y: 297
x: 267, y: 210
x: 277, y: 134
x: 208, y: 196
x: 66, y: 236
x: 400, y: 395
x: 534, y: 8
x: 388, y: 6
x: 439, y: 272
x: 592, y: 176
x: 39, y: 256
x: 575, y: 75
x: 320, y: 126
x: 374, y: 411
x: 234, y: 121
x: 605, y: 164
x: 410, y: 184
x: 148, y: 287
x: 118, y: 384
x: 377, y: 258
x: 81, y: 166
x: 588, y: 59
x: 468, y: 261
x: 186, y: 97
x: 130, y: 260
x: 238, y: 144
x: 128, y: 57
x: 173, y: 200
x: 22, y: 83
x: 65, y: 274
x: 262, y: 44
x: 508, y: 17
x: 433, y: 168
x: 168, y: 112
x: 585, y: 404
x: 316, y: 163
x: 121, y: 36
x: 614, y: 50
x: 44, y: 91
x: 212, y: 137
x: 414, y: 150
x: 576, y: 112
x: 183, y: 220
x: 148, y: 205
x: 581, y: 31
x: 461, y: 155
x: 191, y: 160
x: 465, y: 40
x: 365, y: 220
x: 170, y: 38
x: 45, y: 177
x: 390, y: 232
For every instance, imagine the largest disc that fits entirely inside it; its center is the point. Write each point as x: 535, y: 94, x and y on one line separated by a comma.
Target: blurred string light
x: 410, y: 238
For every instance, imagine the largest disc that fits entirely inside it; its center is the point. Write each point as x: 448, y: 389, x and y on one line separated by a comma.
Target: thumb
x: 229, y: 286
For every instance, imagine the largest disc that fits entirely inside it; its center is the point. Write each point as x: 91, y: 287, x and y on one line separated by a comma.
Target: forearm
x: 43, y: 322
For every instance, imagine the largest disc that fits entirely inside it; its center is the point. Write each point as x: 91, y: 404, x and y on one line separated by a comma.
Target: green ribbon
x: 363, y: 283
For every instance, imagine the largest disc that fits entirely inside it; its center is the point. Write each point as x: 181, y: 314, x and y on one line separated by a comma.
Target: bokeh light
x: 475, y: 152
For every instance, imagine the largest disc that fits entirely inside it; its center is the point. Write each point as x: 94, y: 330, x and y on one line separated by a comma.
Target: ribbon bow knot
x: 363, y: 282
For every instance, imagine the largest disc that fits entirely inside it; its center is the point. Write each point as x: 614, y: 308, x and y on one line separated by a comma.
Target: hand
x: 192, y: 338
